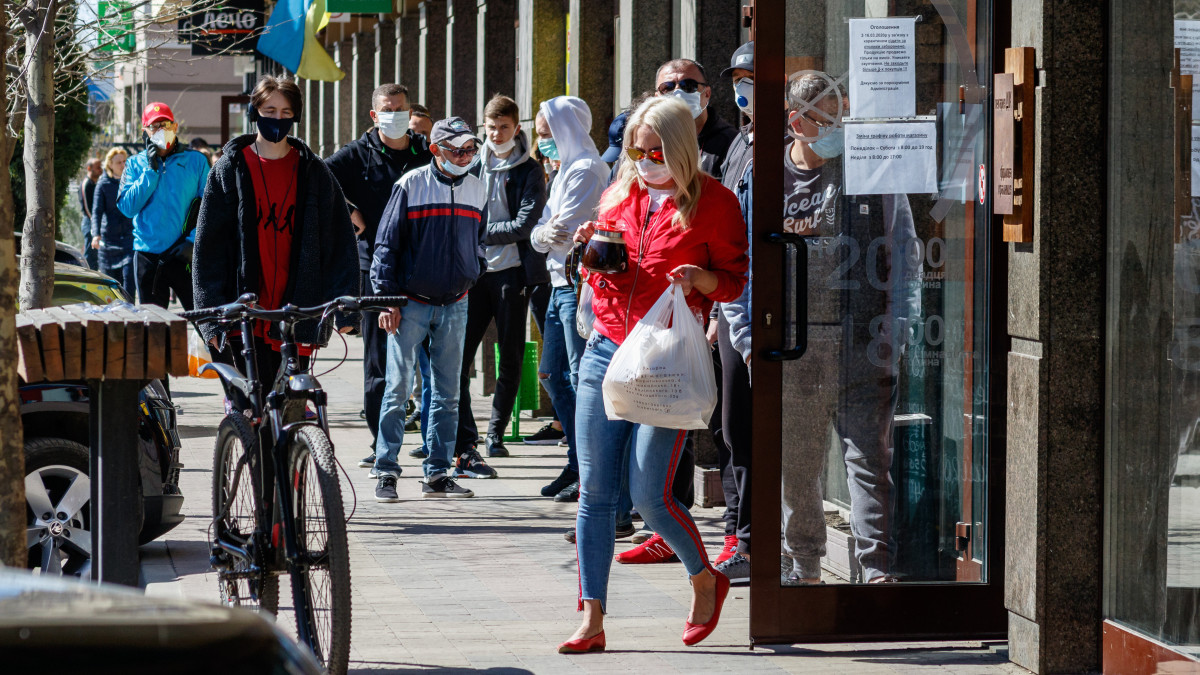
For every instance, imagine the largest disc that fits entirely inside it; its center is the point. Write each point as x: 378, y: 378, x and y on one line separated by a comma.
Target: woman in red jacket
x: 681, y: 226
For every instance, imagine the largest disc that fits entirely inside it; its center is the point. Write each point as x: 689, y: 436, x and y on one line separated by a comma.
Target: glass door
x: 871, y: 305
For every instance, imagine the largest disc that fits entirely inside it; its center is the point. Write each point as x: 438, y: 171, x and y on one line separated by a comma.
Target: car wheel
x: 58, y: 512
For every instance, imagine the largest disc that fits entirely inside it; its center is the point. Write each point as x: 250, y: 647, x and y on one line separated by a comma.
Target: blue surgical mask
x: 692, y: 100
x: 548, y: 148
x: 743, y: 95
x: 831, y: 144
x: 275, y: 130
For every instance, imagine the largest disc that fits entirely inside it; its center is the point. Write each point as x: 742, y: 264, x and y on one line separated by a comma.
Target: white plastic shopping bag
x: 198, y: 356
x: 662, y: 375
x: 585, y: 316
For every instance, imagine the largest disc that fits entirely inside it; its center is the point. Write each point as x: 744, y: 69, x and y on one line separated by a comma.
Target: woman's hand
x: 96, y: 242
x: 585, y: 232
x: 389, y: 321
x: 690, y: 276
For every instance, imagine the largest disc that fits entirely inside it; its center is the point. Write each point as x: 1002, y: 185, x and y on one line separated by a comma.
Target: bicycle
x: 281, y: 511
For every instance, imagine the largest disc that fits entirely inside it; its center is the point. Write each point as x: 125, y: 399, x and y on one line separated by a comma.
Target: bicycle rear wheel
x: 321, y: 583
x: 234, y: 504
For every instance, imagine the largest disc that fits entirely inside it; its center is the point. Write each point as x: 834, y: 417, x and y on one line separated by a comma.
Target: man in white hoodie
x: 563, y: 126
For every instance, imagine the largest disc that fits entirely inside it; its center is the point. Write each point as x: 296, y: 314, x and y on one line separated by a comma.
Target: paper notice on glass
x: 1187, y: 41
x: 1196, y: 160
x: 883, y: 67
x: 891, y: 158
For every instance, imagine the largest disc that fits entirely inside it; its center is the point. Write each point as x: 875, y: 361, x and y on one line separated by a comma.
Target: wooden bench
x: 117, y: 349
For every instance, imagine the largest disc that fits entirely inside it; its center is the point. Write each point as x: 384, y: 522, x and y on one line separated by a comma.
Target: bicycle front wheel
x: 321, y: 582
x: 234, y: 504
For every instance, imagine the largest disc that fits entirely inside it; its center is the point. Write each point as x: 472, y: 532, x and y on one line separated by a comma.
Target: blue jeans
x: 444, y: 327
x: 648, y: 456
x: 426, y: 393
x: 559, y: 368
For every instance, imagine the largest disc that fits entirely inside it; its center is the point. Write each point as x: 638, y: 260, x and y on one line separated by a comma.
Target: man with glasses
x: 430, y: 247
x: 160, y: 190
x: 685, y: 78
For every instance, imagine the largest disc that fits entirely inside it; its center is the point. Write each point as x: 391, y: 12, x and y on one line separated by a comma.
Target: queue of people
x: 480, y: 229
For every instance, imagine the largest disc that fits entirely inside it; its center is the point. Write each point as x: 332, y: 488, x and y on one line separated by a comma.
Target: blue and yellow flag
x: 291, y: 39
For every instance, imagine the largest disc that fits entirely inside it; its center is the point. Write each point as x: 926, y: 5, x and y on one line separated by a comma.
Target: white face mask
x: 392, y: 124
x: 503, y: 147
x: 743, y: 95
x: 653, y: 174
x: 692, y: 100
x: 456, y: 170
x: 163, y: 138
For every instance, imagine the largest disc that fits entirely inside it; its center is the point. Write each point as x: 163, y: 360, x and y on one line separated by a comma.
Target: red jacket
x: 715, y: 240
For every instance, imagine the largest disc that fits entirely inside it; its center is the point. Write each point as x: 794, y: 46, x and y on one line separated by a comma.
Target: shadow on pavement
x: 915, y: 656
x: 377, y: 668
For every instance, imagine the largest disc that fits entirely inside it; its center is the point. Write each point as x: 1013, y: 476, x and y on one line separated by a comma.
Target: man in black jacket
x: 367, y: 169
x: 516, y: 188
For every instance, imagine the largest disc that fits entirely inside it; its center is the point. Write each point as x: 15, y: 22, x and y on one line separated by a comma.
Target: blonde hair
x: 671, y: 119
x: 113, y: 152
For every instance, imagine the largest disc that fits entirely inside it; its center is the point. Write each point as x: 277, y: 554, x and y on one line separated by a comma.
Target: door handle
x: 795, y: 325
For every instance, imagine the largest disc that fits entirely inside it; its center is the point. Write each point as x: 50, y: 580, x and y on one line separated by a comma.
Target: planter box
x: 708, y: 487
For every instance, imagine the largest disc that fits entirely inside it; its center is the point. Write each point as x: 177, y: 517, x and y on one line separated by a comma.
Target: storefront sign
x: 883, y: 68
x: 891, y: 157
x: 116, y: 26
x: 228, y: 27
x: 1195, y: 159
x: 360, y: 6
x: 1002, y: 149
x: 1187, y: 41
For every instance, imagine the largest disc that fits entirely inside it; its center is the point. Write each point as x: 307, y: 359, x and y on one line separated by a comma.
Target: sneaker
x: 727, y: 551
x: 362, y: 414
x: 569, y: 535
x: 412, y: 423
x: 410, y: 407
x: 655, y: 550
x: 557, y: 485
x: 444, y: 486
x: 419, y: 453
x: 563, y: 443
x: 569, y: 493
x: 737, y: 568
x: 367, y: 462
x: 385, y: 490
x: 547, y: 435
x: 495, y: 446
x: 622, y: 532
x: 373, y: 473
x: 625, y: 530
x: 470, y: 465
x: 642, y: 536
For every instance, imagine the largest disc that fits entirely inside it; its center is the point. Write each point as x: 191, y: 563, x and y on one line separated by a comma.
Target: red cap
x: 155, y: 112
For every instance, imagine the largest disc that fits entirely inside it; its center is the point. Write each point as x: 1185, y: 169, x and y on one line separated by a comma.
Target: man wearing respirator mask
x: 367, y: 169
x: 685, y: 79
x: 157, y: 191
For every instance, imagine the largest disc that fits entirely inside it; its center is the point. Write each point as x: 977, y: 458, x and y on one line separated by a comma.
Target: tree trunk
x: 37, y: 240
x: 12, y: 451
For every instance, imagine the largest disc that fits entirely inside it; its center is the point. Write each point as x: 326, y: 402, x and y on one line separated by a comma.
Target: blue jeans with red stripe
x: 652, y: 454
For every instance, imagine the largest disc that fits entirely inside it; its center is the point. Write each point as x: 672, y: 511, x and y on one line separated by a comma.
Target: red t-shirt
x: 275, y: 198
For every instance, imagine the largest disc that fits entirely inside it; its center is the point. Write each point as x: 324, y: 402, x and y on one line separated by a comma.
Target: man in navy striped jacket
x: 430, y: 248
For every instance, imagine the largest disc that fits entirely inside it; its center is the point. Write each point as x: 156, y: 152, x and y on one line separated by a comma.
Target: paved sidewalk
x: 489, y: 584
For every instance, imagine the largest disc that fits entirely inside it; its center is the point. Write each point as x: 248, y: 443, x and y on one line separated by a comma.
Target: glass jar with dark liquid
x: 606, y: 252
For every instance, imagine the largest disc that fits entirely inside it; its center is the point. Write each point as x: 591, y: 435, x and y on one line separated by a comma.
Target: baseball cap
x: 742, y: 58
x: 155, y: 112
x: 616, y: 137
x: 451, y: 131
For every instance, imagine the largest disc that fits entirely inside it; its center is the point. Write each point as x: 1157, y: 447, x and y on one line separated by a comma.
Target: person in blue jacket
x: 157, y: 192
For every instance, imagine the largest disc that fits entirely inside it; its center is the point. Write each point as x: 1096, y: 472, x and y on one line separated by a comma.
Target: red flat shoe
x: 694, y: 633
x: 583, y: 645
x: 653, y: 550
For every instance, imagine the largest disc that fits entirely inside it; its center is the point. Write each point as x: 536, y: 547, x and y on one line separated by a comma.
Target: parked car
x: 63, y: 253
x: 55, y: 419
x: 56, y: 625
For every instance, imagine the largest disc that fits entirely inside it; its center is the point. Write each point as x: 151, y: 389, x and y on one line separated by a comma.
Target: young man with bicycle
x: 429, y: 248
x: 274, y: 223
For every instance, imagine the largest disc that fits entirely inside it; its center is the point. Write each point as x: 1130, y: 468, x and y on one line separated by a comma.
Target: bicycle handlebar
x: 245, y: 307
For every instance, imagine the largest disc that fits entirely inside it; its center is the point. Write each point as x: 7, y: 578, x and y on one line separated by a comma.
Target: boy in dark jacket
x: 429, y: 248
x: 273, y: 222
x: 367, y: 169
x: 516, y: 192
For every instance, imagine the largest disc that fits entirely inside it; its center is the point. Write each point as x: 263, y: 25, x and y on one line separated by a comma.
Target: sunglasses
x: 689, y: 86
x: 155, y: 126
x: 655, y: 156
x: 459, y: 153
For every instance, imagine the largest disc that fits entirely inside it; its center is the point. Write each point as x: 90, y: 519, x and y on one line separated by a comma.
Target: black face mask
x: 275, y: 130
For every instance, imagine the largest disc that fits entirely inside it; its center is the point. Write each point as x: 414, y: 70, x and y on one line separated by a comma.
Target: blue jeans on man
x: 559, y: 369
x: 444, y: 327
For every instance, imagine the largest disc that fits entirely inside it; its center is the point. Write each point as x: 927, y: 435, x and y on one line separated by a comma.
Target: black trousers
x: 501, y: 296
x: 374, y: 361
x: 156, y: 276
x: 734, y: 451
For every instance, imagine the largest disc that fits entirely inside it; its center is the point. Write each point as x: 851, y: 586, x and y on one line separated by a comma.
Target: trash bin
x: 527, y: 393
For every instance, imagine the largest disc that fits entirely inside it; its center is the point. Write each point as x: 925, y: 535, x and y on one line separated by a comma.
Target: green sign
x: 359, y: 6
x: 116, y: 26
